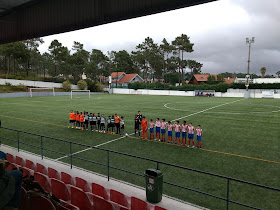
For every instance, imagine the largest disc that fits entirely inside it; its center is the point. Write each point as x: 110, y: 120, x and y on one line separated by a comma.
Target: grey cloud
x: 226, y: 50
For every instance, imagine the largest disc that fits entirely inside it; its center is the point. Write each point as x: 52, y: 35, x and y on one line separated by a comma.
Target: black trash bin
x: 154, y: 183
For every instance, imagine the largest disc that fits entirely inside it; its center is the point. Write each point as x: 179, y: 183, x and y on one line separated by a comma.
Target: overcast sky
x: 218, y: 31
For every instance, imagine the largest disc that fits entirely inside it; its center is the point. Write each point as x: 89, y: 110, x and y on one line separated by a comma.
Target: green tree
x: 47, y: 66
x: 123, y: 62
x: 35, y: 56
x: 211, y: 80
x: 172, y: 78
x: 59, y: 54
x: 220, y: 78
x: 78, y: 61
x: 145, y: 57
x: 263, y: 71
x: 67, y: 86
x: 15, y: 54
x: 278, y: 73
x: 98, y: 64
x: 82, y: 84
x: 194, y: 66
x: 166, y: 49
x: 182, y: 44
x: 227, y: 74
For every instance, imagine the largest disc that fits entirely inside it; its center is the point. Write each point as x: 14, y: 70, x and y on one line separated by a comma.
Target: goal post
x: 36, y: 90
x: 204, y: 93
x: 73, y: 91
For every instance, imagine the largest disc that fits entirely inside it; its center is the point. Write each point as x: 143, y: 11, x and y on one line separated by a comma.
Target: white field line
x: 133, y: 133
x: 81, y: 99
x: 207, y: 109
x: 94, y: 146
x: 238, y: 113
x: 165, y: 105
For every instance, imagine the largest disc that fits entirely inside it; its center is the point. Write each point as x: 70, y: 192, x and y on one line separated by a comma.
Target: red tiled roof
x: 127, y: 78
x: 187, y: 81
x: 116, y: 75
x: 229, y: 80
x: 203, y: 77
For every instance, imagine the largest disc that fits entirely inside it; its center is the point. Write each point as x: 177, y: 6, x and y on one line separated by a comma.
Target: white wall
x: 266, y: 80
x: 236, y: 93
x: 15, y: 82
x: 151, y: 92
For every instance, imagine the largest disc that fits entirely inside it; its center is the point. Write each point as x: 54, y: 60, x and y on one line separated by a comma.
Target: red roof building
x: 197, y: 79
x: 116, y: 75
x: 124, y: 79
x: 230, y: 80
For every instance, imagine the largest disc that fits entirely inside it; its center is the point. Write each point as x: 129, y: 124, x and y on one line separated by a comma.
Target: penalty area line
x: 207, y: 109
x: 99, y: 145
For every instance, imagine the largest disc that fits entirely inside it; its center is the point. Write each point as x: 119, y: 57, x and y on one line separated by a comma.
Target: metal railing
x: 108, y: 166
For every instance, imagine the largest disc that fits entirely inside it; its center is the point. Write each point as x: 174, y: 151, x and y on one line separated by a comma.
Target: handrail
x: 71, y: 155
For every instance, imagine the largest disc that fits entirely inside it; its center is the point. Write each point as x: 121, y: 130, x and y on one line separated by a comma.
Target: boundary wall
x: 236, y: 93
x: 27, y: 94
x: 29, y: 83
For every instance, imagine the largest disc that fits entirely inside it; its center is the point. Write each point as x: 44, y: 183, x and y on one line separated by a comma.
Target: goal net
x: 80, y: 94
x: 207, y: 93
x: 41, y: 92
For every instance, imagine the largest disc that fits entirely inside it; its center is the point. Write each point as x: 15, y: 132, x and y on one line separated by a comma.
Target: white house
x: 266, y: 80
x: 258, y: 80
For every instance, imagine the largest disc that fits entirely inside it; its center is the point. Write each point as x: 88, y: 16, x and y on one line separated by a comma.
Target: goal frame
x: 42, y: 88
x: 71, y: 95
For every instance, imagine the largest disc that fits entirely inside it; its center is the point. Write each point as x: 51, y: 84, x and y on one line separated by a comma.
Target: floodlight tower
x: 249, y: 41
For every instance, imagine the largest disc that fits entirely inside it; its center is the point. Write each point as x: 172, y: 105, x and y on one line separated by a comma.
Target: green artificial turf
x: 232, y: 126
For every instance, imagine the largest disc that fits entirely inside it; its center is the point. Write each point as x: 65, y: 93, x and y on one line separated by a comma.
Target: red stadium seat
x: 20, y: 161
x: 39, y: 202
x: 99, y: 202
x: 68, y: 205
x: 41, y: 169
x: 80, y: 199
x: 61, y: 207
x: 119, y: 198
x: 10, y: 158
x: 137, y: 204
x: 23, y: 200
x: 26, y: 171
x: 117, y: 206
x: 99, y: 190
x: 59, y: 189
x: 66, y: 178
x: 52, y: 173
x: 159, y: 208
x: 43, y: 180
x: 82, y: 184
x: 11, y: 167
x: 29, y: 164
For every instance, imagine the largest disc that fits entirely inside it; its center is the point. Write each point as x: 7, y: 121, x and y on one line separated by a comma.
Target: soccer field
x: 240, y: 140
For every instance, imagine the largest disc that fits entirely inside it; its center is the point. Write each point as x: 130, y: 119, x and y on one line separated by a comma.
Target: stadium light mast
x: 249, y: 41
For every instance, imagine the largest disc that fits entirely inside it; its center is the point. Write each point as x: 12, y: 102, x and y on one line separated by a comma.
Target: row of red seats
x: 77, y: 191
x: 35, y: 201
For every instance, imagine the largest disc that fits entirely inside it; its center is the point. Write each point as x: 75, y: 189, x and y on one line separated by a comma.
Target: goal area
x: 79, y: 94
x: 41, y: 92
x: 207, y: 93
